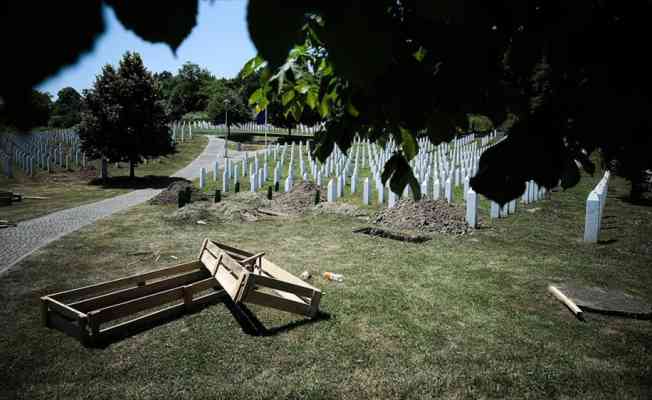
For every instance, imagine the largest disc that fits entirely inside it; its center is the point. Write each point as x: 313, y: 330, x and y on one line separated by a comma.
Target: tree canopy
x: 566, y: 72
x: 123, y: 118
x: 66, y: 111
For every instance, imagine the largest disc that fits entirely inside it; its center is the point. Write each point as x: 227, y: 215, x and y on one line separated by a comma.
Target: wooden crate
x: 85, y: 312
x: 251, y: 278
x: 90, y: 313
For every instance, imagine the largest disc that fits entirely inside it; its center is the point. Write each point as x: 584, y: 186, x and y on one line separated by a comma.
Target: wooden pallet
x: 95, y: 314
x: 251, y: 278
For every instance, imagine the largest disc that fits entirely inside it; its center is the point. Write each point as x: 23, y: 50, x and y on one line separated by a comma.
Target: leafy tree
x: 565, y: 72
x: 187, y: 94
x: 238, y: 112
x: 123, y: 119
x: 66, y: 111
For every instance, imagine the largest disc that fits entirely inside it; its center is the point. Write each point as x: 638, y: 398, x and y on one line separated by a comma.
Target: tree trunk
x: 132, y: 167
x: 289, y: 131
x: 104, y: 169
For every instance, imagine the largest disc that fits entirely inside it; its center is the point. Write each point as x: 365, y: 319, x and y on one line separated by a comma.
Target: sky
x: 219, y: 42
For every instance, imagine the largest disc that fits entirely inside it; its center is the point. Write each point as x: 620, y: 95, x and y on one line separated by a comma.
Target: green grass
x: 456, y: 317
x: 66, y: 189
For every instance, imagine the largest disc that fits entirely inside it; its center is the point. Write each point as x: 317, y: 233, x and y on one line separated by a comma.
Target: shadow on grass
x: 644, y: 201
x: 251, y: 325
x: 247, y: 320
x: 139, y: 182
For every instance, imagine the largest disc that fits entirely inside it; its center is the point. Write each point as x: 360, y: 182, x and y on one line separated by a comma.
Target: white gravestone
x: 366, y: 189
x: 331, y: 194
x: 472, y: 208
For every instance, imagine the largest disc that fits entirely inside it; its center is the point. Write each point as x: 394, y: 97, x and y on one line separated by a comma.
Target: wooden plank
x: 228, y: 282
x: 314, y: 303
x: 568, y: 302
x: 268, y: 300
x: 208, y: 283
x: 66, y: 326
x: 210, y: 298
x: 118, y: 283
x: 282, y: 285
x: 201, y: 250
x: 63, y: 309
x: 168, y: 312
x: 210, y: 262
x: 121, y: 296
x: 232, y: 265
x: 143, y: 321
x: 248, y: 260
x: 133, y: 306
x: 276, y: 272
x: 230, y: 249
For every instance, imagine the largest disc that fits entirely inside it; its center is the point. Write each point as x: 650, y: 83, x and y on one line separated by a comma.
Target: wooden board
x: 607, y: 301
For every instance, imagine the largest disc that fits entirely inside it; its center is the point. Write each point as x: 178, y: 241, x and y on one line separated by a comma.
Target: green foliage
x: 186, y: 90
x: 563, y: 70
x: 196, y: 116
x: 480, y: 123
x: 66, y: 111
x: 228, y: 100
x: 123, y: 118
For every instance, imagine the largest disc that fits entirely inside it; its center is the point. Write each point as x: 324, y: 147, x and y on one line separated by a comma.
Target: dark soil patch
x: 392, y: 235
x: 298, y: 200
x: 171, y: 193
x: 426, y: 216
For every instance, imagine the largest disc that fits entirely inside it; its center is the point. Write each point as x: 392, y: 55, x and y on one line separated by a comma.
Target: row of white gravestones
x: 594, y: 209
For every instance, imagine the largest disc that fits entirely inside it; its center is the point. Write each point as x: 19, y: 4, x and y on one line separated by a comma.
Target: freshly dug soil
x: 171, y: 194
x: 339, y: 208
x: 424, y: 216
x: 193, y: 212
x: 240, y: 207
x: 298, y: 200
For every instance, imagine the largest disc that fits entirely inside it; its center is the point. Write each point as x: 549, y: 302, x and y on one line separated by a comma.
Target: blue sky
x: 220, y: 42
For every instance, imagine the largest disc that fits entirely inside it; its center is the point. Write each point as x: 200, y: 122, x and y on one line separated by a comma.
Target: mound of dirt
x: 298, y: 200
x: 171, y: 193
x: 239, y: 207
x: 339, y: 208
x: 424, y: 216
x: 193, y: 212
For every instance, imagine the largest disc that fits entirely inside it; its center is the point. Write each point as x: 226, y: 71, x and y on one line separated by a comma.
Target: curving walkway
x: 29, y: 236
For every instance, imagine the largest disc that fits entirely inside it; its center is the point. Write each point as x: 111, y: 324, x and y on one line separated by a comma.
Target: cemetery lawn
x: 454, y: 318
x: 67, y: 189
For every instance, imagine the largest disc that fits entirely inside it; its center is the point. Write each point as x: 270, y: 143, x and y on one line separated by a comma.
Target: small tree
x: 123, y: 118
x: 66, y: 111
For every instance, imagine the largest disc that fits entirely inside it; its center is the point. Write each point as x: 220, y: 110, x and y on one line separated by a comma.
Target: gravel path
x: 29, y: 236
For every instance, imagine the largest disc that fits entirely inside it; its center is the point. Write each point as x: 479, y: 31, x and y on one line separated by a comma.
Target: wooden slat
x: 282, y: 285
x: 232, y: 265
x: 118, y: 283
x: 68, y: 327
x: 133, y: 306
x: 230, y: 249
x: 168, y: 312
x: 279, y: 303
x: 201, y: 250
x: 228, y: 282
x: 208, y: 283
x: 143, y: 321
x: 250, y: 259
x: 276, y: 272
x: 314, y: 303
x: 210, y: 298
x: 63, y: 309
x: 210, y: 262
x: 121, y: 296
